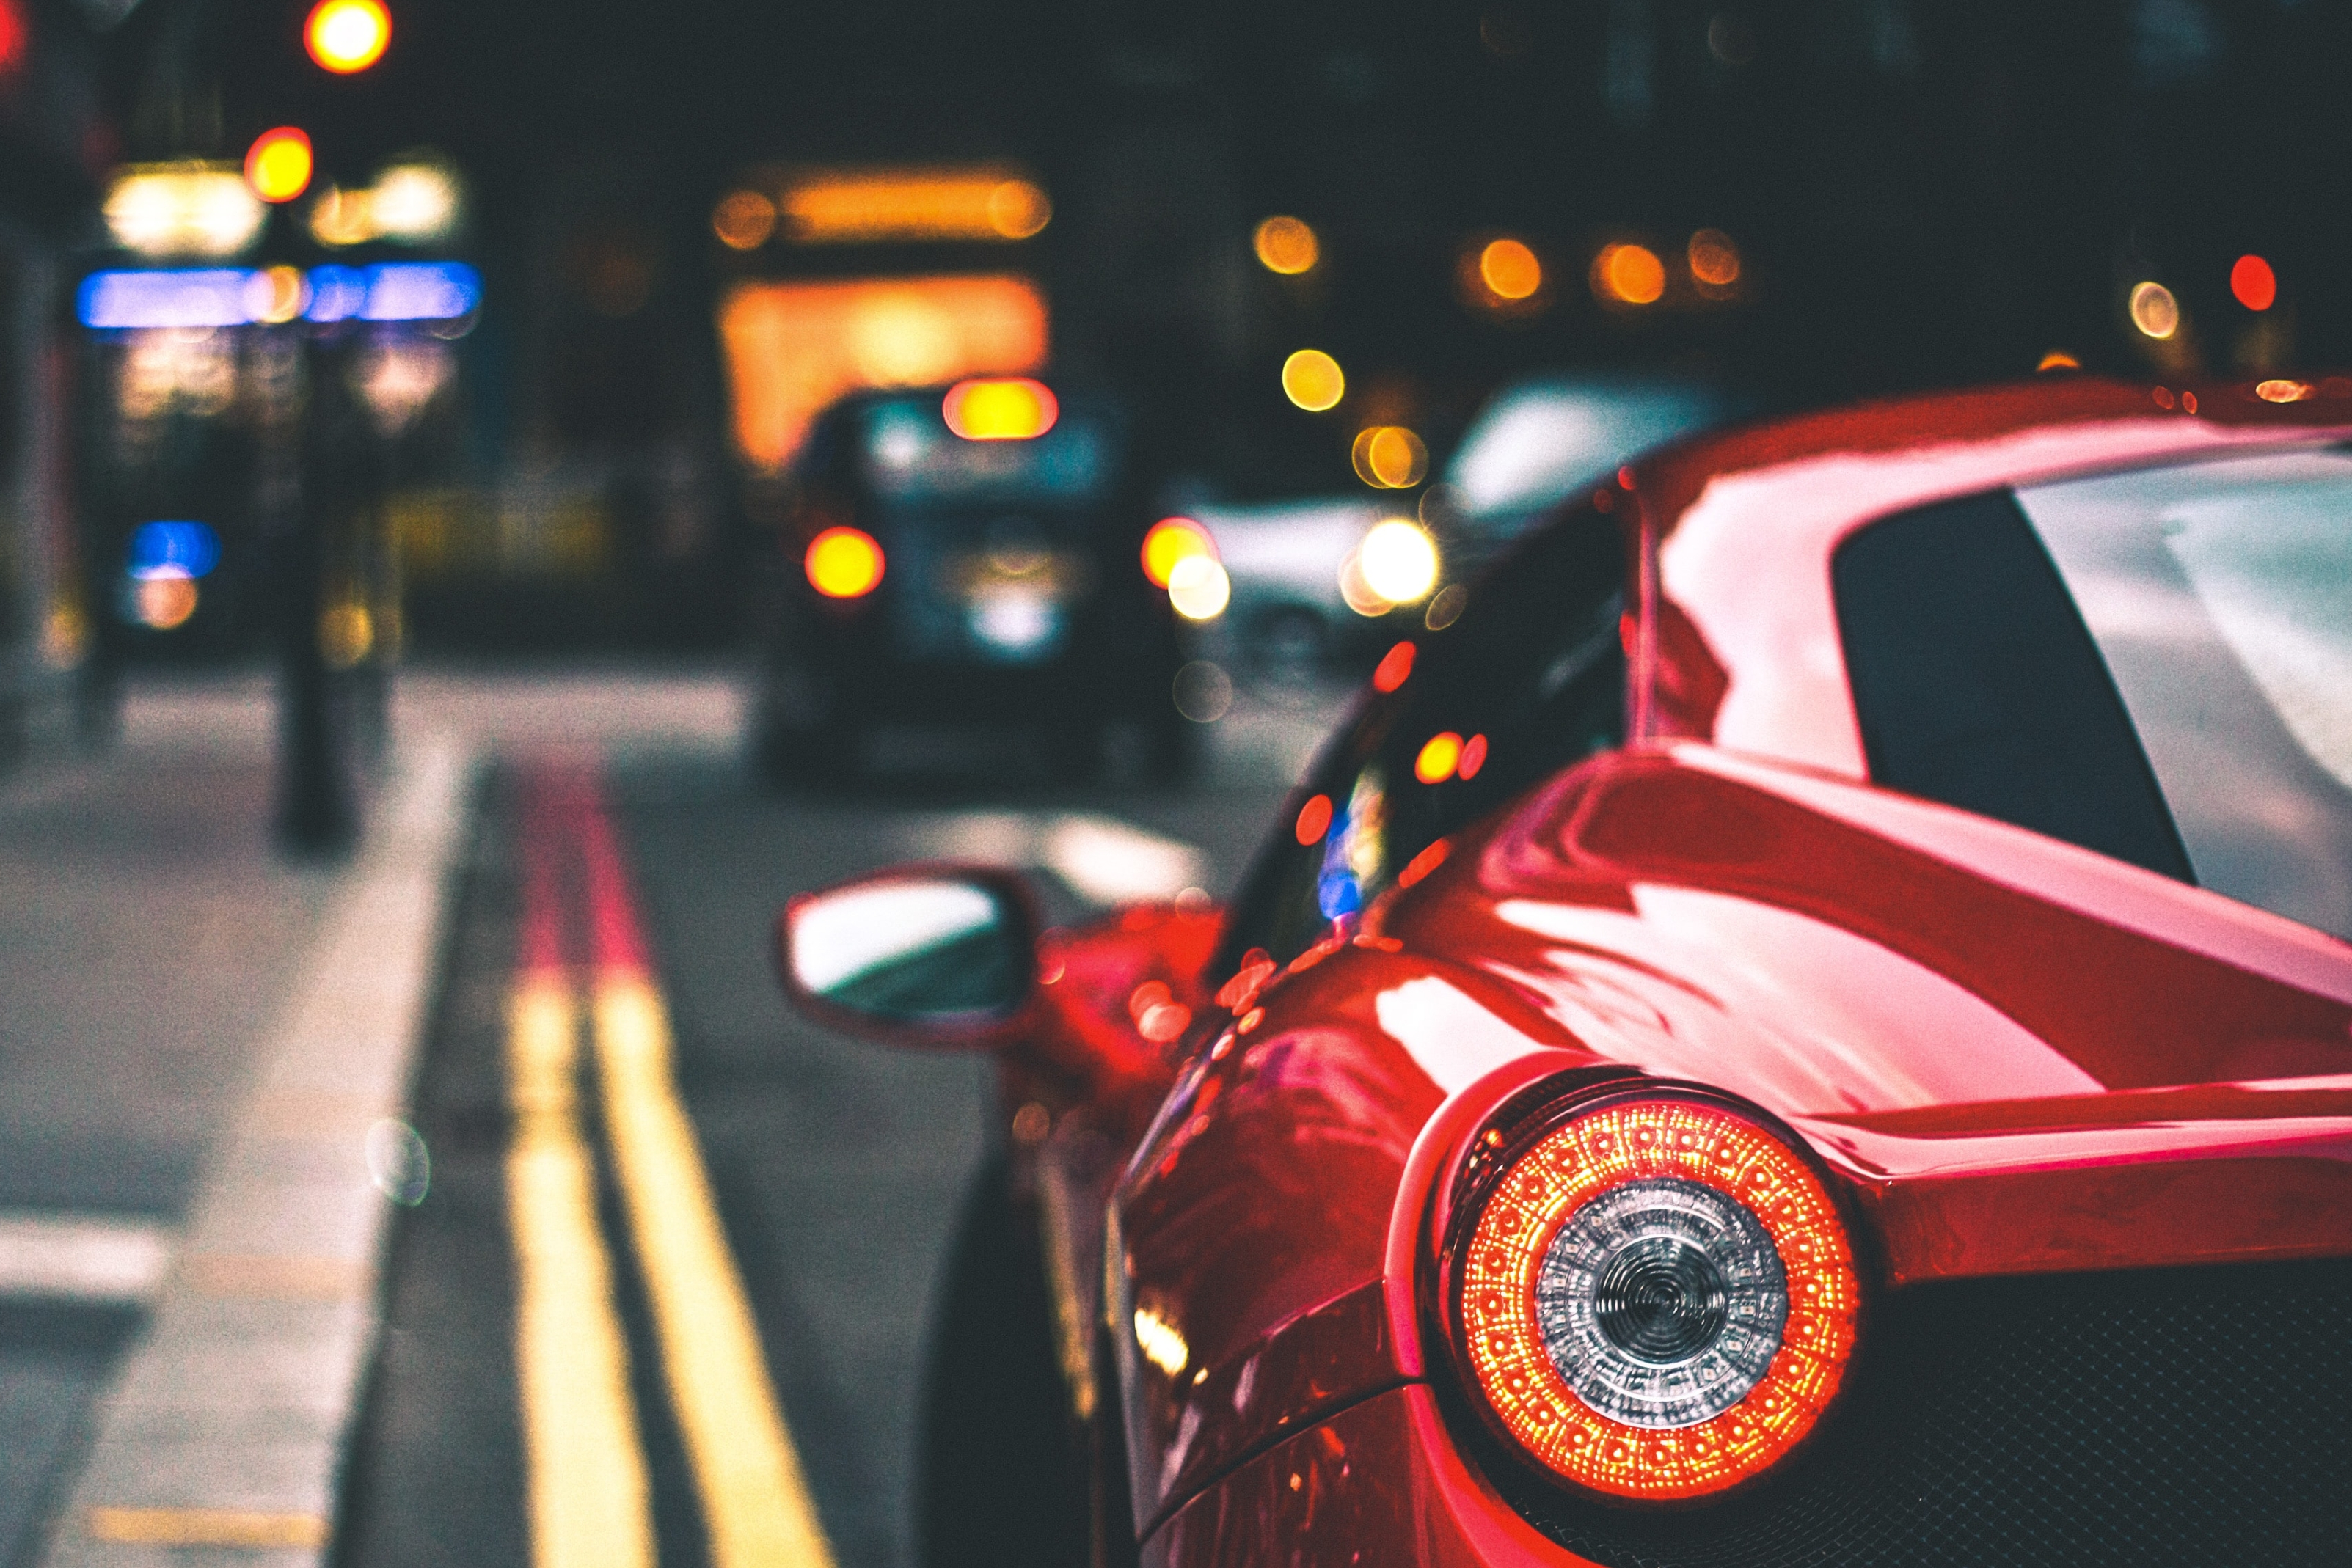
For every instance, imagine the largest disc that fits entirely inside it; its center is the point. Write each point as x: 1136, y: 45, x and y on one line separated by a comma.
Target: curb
x: 225, y: 1425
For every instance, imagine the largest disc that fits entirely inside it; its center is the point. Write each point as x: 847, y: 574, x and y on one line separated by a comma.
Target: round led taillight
x: 1654, y: 1298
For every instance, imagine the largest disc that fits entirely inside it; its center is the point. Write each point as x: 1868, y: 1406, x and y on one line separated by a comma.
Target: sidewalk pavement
x: 204, y: 1054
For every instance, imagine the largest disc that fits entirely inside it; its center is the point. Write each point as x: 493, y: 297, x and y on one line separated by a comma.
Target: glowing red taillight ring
x: 1654, y: 1297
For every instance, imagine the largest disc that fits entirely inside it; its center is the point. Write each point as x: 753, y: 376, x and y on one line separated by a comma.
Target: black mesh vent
x: 2186, y: 1417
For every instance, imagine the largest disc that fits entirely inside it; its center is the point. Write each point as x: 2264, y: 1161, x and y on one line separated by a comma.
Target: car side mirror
x: 934, y: 956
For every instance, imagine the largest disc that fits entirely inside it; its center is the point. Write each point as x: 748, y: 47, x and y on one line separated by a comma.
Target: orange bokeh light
x: 1440, y: 754
x: 843, y: 563
x: 1713, y: 259
x: 347, y: 36
x: 2252, y: 283
x: 1010, y: 408
x: 1629, y: 274
x: 1314, y: 819
x: 1389, y: 457
x: 1171, y: 541
x: 1287, y: 245
x: 743, y: 220
x: 1604, y: 1147
x: 278, y: 165
x: 1394, y: 667
x: 1509, y: 269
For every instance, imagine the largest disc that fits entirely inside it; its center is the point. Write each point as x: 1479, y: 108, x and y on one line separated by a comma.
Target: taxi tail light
x: 1650, y: 1296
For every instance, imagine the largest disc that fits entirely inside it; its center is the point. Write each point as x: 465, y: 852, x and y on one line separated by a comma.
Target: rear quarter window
x: 1976, y: 683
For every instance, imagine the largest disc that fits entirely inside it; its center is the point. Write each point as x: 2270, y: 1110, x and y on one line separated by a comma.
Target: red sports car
x: 1809, y: 1027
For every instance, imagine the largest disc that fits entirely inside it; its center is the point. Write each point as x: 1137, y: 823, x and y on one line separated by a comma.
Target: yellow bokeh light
x: 2154, y: 310
x: 1287, y: 245
x: 1398, y: 561
x: 1628, y: 275
x: 1438, y: 756
x: 1509, y: 269
x: 1390, y: 457
x: 1199, y: 588
x: 347, y: 36
x: 1171, y: 541
x: 277, y: 166
x: 743, y: 220
x: 1713, y: 259
x: 346, y: 635
x: 1312, y: 380
x: 843, y: 563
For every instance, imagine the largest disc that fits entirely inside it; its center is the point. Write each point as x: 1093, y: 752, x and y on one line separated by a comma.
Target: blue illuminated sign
x: 235, y: 296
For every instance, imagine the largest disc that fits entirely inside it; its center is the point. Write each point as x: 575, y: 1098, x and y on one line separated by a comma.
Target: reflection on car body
x: 1856, y: 1072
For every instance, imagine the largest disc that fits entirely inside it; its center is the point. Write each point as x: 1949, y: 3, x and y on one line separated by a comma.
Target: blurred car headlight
x: 1398, y: 561
x: 1199, y: 588
x: 1652, y: 1295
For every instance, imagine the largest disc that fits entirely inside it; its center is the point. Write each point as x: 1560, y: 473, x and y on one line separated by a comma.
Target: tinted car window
x: 911, y: 456
x: 1976, y: 683
x: 2221, y: 596
x: 1530, y: 679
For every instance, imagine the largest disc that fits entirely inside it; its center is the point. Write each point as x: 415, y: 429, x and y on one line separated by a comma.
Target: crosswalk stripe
x: 81, y: 1258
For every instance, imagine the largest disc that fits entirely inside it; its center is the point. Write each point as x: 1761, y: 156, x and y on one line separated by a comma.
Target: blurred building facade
x: 54, y: 144
x: 1812, y: 199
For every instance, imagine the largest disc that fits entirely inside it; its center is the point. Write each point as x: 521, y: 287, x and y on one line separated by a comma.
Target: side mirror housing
x: 940, y: 957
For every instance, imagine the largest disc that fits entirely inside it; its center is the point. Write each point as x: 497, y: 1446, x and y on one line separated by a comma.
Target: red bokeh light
x: 2253, y: 284
x: 1315, y: 820
x: 1394, y: 667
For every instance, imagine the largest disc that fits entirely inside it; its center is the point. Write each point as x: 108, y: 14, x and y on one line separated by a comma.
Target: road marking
x: 229, y: 1527
x: 590, y: 1502
x: 755, y: 1499
x: 81, y: 1258
x: 1104, y: 861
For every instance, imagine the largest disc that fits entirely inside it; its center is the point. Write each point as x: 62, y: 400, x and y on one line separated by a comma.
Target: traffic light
x: 346, y: 36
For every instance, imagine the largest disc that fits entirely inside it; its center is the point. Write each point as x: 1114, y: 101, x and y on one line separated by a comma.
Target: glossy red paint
x: 1739, y: 644
x: 2012, y: 1056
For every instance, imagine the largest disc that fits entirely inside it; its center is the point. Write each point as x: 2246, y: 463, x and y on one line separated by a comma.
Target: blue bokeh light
x: 174, y: 550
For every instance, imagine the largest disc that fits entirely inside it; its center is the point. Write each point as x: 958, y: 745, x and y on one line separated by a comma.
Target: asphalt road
x: 836, y: 1168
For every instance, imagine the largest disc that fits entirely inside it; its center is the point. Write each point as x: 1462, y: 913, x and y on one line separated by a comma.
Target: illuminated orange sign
x: 882, y: 206
x: 793, y: 348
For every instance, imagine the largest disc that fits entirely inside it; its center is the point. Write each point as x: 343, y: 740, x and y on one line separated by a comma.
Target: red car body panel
x: 2014, y: 1056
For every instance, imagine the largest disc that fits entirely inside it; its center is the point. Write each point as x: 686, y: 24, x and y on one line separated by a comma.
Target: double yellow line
x: 589, y: 1500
